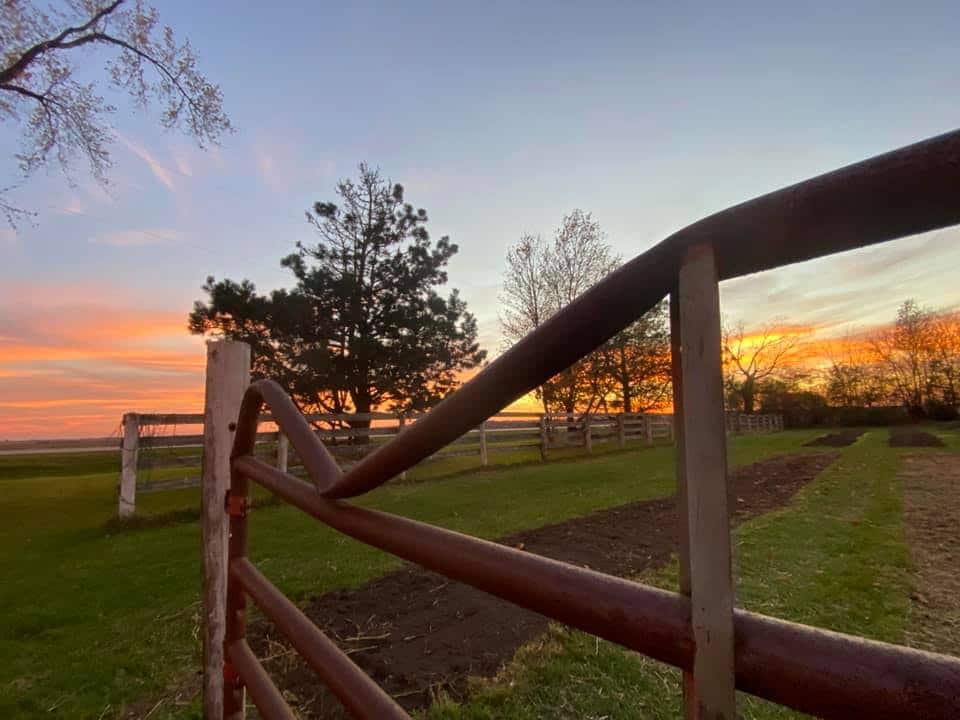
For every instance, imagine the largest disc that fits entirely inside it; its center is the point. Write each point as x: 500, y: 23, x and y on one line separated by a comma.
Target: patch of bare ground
x: 838, y: 439
x: 931, y: 487
x: 911, y: 437
x: 417, y: 633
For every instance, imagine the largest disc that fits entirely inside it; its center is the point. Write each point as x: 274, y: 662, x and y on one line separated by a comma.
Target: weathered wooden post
x: 401, y: 422
x: 587, y: 434
x: 544, y: 437
x: 483, y: 443
x: 129, y: 452
x: 228, y: 375
x: 648, y: 428
x: 283, y: 451
x: 705, y: 563
x: 621, y: 431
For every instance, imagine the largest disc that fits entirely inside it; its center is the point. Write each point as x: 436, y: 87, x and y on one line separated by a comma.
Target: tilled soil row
x: 839, y: 439
x: 911, y: 437
x: 416, y: 632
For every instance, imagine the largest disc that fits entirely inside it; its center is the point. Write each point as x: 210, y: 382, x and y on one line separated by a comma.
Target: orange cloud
x: 72, y: 368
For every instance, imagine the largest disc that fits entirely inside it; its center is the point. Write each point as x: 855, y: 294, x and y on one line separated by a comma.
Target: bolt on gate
x: 719, y: 647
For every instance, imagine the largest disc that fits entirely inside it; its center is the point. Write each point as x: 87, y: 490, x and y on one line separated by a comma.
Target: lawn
x: 836, y: 557
x: 94, y: 618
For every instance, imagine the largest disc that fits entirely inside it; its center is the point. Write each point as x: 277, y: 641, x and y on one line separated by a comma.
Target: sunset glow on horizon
x: 79, y: 385
x: 498, y: 121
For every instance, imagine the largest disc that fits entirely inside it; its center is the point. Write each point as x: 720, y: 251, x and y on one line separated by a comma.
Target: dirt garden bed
x: 416, y: 633
x: 839, y: 439
x: 931, y: 489
x: 911, y: 437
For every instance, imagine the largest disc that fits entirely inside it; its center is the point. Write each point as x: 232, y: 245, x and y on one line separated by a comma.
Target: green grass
x: 91, y: 619
x: 835, y: 558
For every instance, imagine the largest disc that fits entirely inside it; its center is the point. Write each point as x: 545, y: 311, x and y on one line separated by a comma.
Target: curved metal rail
x: 831, y: 675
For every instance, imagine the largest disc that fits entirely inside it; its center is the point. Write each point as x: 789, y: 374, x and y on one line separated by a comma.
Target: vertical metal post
x: 129, y: 452
x: 483, y: 443
x: 705, y: 472
x: 228, y: 374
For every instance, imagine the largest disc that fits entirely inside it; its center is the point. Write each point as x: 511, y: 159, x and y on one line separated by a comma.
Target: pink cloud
x: 159, y: 170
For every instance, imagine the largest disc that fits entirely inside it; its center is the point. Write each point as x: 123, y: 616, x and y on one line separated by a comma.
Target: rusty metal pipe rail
x: 265, y: 695
x: 826, y: 674
x: 360, y: 695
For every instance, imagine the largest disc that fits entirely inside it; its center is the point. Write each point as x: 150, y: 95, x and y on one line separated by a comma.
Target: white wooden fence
x: 147, y: 442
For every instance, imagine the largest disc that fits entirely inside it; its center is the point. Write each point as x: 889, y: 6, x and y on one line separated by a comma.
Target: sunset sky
x: 498, y: 118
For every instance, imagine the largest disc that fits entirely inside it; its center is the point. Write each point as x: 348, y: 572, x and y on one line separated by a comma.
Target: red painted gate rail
x: 827, y: 674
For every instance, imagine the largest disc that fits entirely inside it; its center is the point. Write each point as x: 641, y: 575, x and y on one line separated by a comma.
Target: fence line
x: 505, y: 432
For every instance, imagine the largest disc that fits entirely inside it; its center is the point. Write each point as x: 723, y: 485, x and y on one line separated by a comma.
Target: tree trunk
x: 362, y: 406
x: 747, y: 391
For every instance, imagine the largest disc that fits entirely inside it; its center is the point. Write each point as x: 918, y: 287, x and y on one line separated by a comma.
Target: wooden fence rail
x: 504, y: 432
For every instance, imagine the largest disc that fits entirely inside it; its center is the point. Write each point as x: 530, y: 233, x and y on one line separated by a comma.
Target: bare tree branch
x: 60, y: 117
x: 755, y: 356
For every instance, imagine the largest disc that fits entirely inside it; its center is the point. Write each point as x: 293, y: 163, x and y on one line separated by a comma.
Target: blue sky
x: 498, y: 118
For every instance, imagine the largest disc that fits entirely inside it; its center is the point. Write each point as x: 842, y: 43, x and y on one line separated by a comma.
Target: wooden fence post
x: 587, y: 434
x: 544, y: 438
x: 483, y: 443
x: 401, y: 423
x: 129, y: 451
x: 705, y: 473
x: 228, y: 374
x: 676, y: 373
x: 283, y: 451
x: 621, y: 431
x: 648, y: 428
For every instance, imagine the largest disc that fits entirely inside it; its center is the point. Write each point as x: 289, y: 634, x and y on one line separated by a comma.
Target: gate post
x: 706, y: 567
x: 129, y: 451
x: 228, y: 375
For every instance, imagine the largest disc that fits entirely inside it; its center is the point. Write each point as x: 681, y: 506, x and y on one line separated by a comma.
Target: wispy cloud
x: 269, y: 174
x: 183, y: 166
x: 160, y: 171
x: 138, y: 238
x: 73, y: 206
x: 282, y: 165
